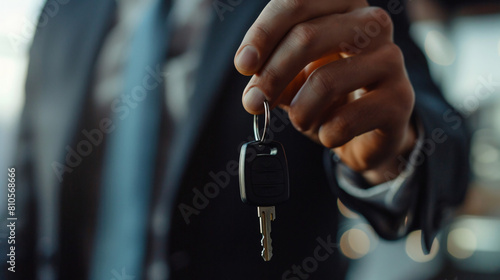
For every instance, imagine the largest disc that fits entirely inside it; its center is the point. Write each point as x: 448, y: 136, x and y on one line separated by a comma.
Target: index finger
x: 274, y: 22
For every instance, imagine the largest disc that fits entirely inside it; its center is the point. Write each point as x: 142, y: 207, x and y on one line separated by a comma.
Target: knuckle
x: 261, y: 33
x: 271, y: 76
x: 341, y: 126
x: 392, y: 58
x: 304, y: 35
x: 327, y: 141
x: 395, y: 51
x: 294, y: 5
x: 379, y: 12
x: 382, y: 17
x: 297, y: 118
x: 375, y: 22
x: 332, y: 134
x: 321, y: 84
x: 405, y: 100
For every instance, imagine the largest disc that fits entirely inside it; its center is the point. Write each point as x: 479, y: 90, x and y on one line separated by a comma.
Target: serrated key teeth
x: 266, y: 215
x: 267, y: 250
x: 267, y: 255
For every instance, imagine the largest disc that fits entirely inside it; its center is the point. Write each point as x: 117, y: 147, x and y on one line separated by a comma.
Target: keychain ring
x: 267, y: 116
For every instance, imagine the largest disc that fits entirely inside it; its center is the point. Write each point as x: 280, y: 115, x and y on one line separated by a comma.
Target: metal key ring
x: 267, y: 116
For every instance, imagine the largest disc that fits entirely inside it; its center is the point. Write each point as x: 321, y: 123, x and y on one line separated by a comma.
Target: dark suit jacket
x: 221, y: 240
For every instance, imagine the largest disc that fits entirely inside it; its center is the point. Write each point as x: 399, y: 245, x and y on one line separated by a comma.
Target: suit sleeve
x: 441, y: 172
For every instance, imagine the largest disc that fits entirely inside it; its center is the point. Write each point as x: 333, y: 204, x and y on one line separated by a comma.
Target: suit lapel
x: 226, y: 32
x: 64, y: 50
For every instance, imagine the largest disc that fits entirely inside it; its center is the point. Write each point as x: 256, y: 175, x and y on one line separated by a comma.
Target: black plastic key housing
x: 263, y: 174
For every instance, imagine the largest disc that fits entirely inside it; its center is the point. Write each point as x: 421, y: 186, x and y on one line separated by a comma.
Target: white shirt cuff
x: 390, y: 194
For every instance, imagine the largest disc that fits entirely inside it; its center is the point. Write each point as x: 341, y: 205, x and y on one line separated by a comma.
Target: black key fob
x: 263, y: 173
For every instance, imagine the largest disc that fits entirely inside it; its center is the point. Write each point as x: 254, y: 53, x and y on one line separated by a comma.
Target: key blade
x: 266, y: 215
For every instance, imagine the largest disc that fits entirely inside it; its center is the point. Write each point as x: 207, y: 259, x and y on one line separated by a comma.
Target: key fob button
x: 267, y: 170
x: 268, y: 190
x: 266, y: 162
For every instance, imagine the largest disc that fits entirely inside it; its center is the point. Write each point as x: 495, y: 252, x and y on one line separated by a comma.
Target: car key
x: 264, y: 183
x: 264, y: 180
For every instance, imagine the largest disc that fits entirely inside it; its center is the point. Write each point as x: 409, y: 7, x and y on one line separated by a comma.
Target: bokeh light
x: 461, y: 243
x: 355, y: 243
x: 414, y: 248
x: 485, y: 155
x: 439, y: 49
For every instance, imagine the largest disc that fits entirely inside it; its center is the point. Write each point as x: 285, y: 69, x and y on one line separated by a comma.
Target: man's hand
x: 334, y: 67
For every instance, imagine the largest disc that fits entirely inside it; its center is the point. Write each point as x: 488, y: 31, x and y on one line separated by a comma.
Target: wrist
x: 391, y: 168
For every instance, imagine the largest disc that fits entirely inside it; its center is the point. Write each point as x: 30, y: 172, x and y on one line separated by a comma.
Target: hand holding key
x: 293, y: 50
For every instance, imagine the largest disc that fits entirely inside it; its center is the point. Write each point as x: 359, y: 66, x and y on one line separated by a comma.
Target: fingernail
x: 247, y: 59
x: 254, y: 99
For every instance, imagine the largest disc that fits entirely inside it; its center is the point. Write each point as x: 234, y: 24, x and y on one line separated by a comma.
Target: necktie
x: 129, y: 161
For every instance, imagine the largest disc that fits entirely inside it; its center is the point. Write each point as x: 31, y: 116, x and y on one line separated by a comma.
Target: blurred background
x: 461, y: 40
x: 17, y: 26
